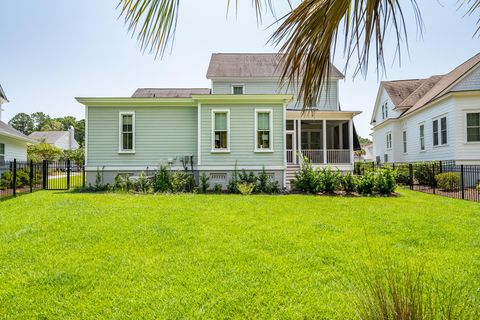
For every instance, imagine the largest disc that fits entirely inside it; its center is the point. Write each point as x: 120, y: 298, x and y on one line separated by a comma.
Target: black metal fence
x: 445, y: 178
x: 18, y: 177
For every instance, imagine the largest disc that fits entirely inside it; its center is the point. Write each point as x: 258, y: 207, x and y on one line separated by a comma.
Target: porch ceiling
x: 320, y: 115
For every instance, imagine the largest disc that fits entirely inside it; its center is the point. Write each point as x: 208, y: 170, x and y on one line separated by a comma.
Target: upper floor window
x: 127, y: 132
x: 263, y: 130
x: 238, y: 89
x: 389, y: 140
x: 422, y: 137
x: 385, y: 110
x: 473, y: 127
x: 221, y: 130
x: 440, y: 131
x: 2, y: 153
x: 404, y: 136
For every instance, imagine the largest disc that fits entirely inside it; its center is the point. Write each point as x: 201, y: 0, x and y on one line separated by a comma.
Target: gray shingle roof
x: 168, y: 92
x: 250, y: 65
x: 9, y: 131
x: 47, y: 136
x: 2, y: 94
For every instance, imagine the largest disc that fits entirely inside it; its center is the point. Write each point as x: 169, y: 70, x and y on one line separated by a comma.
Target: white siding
x: 379, y: 137
x: 392, y: 114
x: 328, y: 100
x: 14, y: 149
x: 466, y: 151
x: 470, y: 82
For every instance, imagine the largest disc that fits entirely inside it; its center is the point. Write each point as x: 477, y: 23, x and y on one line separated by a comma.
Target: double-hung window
x: 221, y: 130
x: 238, y: 89
x: 473, y: 127
x: 263, y: 130
x: 422, y: 137
x: 127, y: 132
x: 404, y: 136
x: 386, y: 110
x: 439, y: 127
x: 389, y: 140
x: 383, y: 111
x: 2, y: 153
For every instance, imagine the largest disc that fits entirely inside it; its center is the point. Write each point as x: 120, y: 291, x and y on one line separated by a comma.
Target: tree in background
x: 39, y: 119
x: 363, y: 140
x: 23, y: 123
x: 77, y: 156
x: 43, y: 151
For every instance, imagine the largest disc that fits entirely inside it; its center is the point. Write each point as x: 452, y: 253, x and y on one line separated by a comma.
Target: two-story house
x: 436, y: 118
x: 246, y: 120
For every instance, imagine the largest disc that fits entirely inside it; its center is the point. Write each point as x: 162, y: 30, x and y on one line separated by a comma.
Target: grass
x: 68, y: 255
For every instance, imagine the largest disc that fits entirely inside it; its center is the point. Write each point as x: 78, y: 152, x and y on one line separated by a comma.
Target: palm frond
x: 309, y: 36
x: 474, y: 6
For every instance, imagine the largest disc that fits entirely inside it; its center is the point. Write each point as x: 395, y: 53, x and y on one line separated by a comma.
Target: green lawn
x: 67, y: 255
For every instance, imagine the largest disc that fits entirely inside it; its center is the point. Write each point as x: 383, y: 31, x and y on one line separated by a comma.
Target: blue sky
x: 54, y: 50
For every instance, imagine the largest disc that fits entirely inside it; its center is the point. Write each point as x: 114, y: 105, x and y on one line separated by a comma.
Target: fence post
x: 373, y: 166
x: 14, y: 182
x: 433, y: 177
x: 441, y: 167
x: 462, y: 182
x: 44, y: 174
x: 31, y: 176
x: 68, y: 174
x: 410, y: 171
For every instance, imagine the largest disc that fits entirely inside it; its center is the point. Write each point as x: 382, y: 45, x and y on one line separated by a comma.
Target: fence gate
x: 62, y: 175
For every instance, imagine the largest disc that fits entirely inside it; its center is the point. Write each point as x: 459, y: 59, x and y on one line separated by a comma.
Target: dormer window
x: 384, y: 110
x: 238, y: 89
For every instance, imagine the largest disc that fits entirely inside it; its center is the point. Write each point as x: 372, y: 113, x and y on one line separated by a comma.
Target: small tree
x: 43, y: 151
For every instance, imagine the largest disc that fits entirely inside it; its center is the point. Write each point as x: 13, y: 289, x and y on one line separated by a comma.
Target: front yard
x: 67, y: 255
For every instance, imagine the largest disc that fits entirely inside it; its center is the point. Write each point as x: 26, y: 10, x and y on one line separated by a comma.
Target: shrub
x: 217, y: 188
x: 162, y: 181
x: 232, y: 183
x: 179, y: 181
x: 385, y: 181
x: 423, y: 173
x: 204, y: 185
x: 366, y: 183
x: 245, y: 188
x: 403, y: 174
x: 327, y: 181
x: 349, y: 183
x: 448, y: 181
x: 305, y: 179
x: 266, y: 184
x: 478, y: 187
x: 142, y: 184
x: 122, y: 182
x: 249, y: 177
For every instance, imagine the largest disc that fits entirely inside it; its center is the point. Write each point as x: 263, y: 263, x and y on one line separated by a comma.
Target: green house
x: 246, y: 120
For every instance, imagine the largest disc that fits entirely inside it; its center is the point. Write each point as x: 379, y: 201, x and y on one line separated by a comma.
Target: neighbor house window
x: 386, y: 109
x: 2, y: 153
x: 127, y: 132
x: 473, y: 127
x: 221, y: 127
x: 383, y: 111
x: 404, y: 141
x: 238, y: 89
x: 440, y: 131
x: 389, y: 140
x: 422, y: 137
x: 263, y: 130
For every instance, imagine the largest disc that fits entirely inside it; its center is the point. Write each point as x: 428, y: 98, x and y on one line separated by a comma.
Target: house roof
x: 168, y: 92
x: 399, y: 90
x: 2, y: 94
x: 251, y: 65
x: 7, y: 130
x: 47, y: 136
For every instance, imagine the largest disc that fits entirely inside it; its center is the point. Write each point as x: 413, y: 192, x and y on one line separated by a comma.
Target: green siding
x: 161, y: 133
x: 242, y: 147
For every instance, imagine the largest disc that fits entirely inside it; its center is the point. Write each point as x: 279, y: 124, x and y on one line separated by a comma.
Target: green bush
x: 204, y: 184
x: 423, y: 173
x: 162, y: 181
x: 366, y: 183
x: 305, y: 179
x: 122, y: 182
x: 142, y: 184
x: 217, y: 188
x: 448, y: 181
x: 245, y: 188
x: 327, y: 181
x: 385, y: 180
x: 349, y: 183
x: 232, y: 183
x: 266, y: 184
x: 180, y: 181
x: 23, y: 179
x: 403, y: 174
x: 478, y: 187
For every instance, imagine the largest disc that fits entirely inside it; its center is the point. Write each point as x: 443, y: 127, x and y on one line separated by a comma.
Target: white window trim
x: 404, y: 141
x: 386, y: 140
x: 420, y: 137
x: 238, y: 85
x: 439, y: 119
x: 255, y: 135
x: 466, y: 128
x: 120, y: 115
x: 213, y: 149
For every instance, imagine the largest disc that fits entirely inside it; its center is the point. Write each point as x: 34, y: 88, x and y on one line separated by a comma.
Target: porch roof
x: 321, y: 115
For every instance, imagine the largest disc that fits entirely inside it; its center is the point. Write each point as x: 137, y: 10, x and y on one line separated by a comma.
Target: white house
x: 64, y: 140
x: 13, y: 144
x: 437, y: 118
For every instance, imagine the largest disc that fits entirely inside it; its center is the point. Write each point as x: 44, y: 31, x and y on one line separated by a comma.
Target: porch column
x: 299, y: 136
x: 294, y: 142
x: 350, y: 138
x: 324, y: 128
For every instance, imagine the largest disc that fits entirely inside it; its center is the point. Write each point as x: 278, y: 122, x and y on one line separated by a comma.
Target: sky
x: 54, y: 50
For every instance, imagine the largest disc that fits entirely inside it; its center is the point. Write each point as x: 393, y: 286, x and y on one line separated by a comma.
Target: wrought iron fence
x: 17, y: 177
x: 445, y: 178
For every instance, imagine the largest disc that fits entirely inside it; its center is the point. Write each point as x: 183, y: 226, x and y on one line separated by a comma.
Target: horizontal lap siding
x: 242, y: 146
x: 466, y: 150
x: 161, y: 133
x: 14, y: 149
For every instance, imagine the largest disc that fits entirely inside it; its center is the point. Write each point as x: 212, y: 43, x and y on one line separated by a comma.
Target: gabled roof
x: 2, y: 94
x: 399, y: 90
x: 251, y: 65
x: 7, y: 130
x: 168, y: 92
x: 47, y: 136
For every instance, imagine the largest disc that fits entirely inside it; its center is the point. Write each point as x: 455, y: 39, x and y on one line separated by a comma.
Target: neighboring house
x: 64, y: 140
x: 246, y: 120
x: 437, y: 118
x: 13, y: 143
x: 366, y: 154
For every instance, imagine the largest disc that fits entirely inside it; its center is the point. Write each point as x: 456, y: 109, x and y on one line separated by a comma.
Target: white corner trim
x: 255, y: 133
x: 120, y: 114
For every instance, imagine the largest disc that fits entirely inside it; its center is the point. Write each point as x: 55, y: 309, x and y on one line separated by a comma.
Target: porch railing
x: 290, y: 156
x: 338, y: 156
x: 316, y: 156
